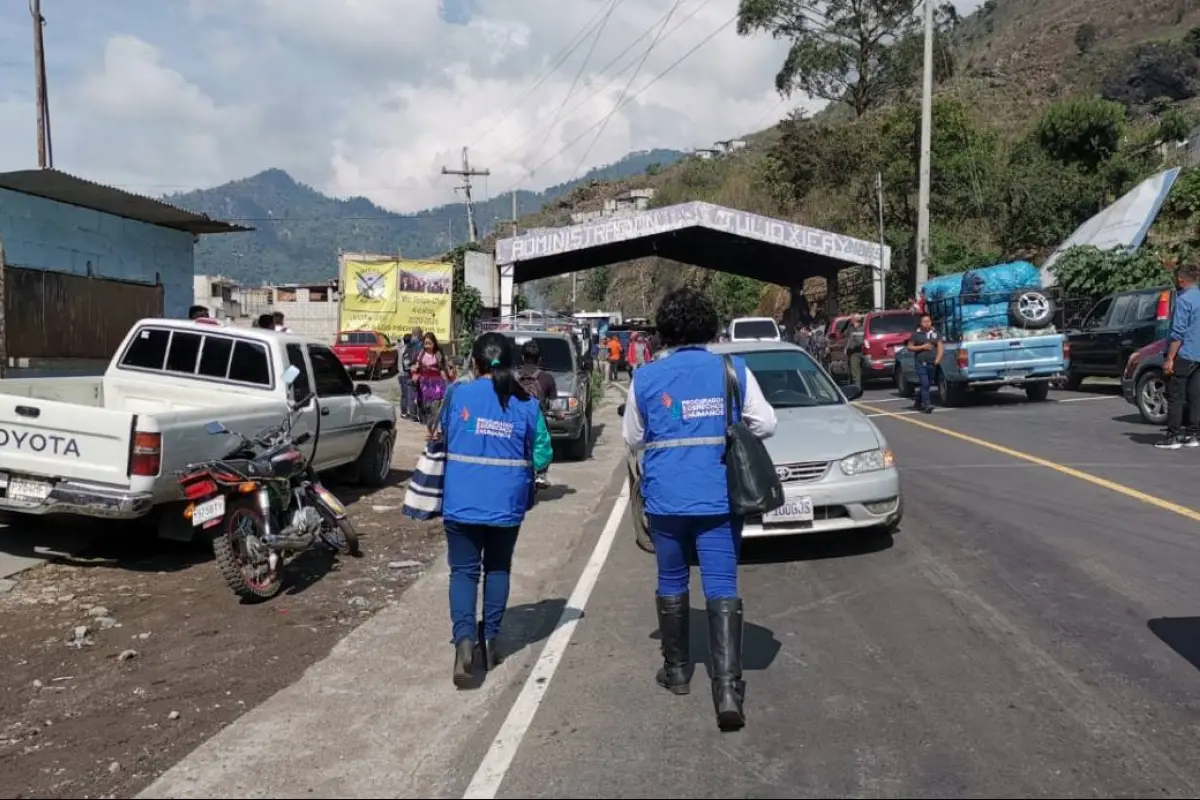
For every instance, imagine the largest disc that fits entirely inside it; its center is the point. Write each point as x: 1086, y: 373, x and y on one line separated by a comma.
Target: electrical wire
x: 621, y: 72
x: 568, y: 49
x: 625, y: 90
x: 631, y: 98
x: 578, y: 75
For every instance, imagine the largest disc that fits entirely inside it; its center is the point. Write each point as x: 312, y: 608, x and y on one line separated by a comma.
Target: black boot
x: 489, y: 651
x: 673, y: 618
x: 725, y: 659
x: 464, y: 662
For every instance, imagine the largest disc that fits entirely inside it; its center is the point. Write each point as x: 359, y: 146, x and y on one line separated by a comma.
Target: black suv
x: 1111, y: 331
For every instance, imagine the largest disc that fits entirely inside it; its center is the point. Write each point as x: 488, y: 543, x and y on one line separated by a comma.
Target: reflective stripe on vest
x: 692, y: 441
x: 489, y: 462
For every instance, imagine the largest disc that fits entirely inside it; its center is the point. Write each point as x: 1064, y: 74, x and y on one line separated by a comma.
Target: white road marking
x: 495, y: 765
x: 1086, y: 399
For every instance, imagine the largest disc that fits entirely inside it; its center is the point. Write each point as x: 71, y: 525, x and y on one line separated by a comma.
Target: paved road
x: 1032, y: 631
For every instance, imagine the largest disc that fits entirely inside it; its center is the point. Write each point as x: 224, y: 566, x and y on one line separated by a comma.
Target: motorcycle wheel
x: 339, y: 534
x: 242, y: 557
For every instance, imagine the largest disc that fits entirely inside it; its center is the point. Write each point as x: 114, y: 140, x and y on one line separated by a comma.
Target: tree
x: 1092, y: 272
x: 735, y: 296
x: 1086, y: 132
x: 839, y: 48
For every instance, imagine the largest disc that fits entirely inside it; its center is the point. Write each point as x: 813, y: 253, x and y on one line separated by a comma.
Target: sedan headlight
x: 564, y: 404
x: 868, y: 461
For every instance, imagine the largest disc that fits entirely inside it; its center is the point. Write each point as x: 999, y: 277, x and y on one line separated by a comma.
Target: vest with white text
x: 681, y: 399
x: 489, y: 472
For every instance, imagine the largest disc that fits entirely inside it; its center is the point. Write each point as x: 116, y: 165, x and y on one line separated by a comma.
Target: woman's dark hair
x: 429, y: 335
x: 686, y: 316
x: 493, y: 355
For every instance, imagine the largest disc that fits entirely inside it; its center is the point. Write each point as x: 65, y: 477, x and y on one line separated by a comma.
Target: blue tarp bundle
x: 994, y: 281
x: 980, y: 297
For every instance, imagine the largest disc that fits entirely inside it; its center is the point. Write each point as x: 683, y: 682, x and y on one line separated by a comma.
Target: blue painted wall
x: 43, y: 234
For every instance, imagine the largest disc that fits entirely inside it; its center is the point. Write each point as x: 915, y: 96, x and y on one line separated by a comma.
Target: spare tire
x: 1031, y: 308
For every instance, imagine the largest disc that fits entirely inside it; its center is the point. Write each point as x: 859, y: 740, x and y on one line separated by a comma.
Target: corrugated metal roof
x: 62, y: 187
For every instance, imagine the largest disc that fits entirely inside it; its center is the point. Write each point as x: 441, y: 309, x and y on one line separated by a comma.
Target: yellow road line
x: 1095, y: 480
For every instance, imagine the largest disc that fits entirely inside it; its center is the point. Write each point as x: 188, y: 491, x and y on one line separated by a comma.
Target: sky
x: 374, y: 97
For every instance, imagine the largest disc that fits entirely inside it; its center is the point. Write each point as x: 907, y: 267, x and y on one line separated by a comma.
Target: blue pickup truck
x: 1017, y: 345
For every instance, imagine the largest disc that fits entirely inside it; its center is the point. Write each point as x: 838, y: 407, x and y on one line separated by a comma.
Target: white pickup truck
x: 110, y: 446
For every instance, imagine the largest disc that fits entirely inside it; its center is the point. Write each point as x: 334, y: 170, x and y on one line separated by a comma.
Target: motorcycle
x: 264, y: 503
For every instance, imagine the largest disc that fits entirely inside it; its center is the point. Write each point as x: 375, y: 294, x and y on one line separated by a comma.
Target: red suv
x: 883, y: 332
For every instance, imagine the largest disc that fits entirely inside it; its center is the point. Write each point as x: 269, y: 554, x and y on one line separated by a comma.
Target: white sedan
x: 837, y: 470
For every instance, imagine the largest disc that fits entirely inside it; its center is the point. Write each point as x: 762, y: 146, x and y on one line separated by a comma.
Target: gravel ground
x: 117, y: 661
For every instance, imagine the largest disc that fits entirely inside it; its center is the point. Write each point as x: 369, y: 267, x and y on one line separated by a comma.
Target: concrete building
x: 623, y: 205
x: 82, y: 262
x: 309, y: 309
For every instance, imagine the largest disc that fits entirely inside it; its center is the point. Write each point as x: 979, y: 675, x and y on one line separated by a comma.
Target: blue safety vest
x: 682, y: 403
x: 489, y: 472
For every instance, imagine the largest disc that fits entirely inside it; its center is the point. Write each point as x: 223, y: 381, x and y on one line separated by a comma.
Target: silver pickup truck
x: 110, y: 446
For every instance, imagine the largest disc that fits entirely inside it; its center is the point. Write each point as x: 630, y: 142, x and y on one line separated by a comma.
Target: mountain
x: 299, y: 231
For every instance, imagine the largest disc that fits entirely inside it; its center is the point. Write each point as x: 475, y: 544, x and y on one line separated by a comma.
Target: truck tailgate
x: 1036, y: 353
x: 51, y: 438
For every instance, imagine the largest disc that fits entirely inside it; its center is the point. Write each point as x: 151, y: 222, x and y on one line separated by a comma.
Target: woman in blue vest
x: 496, y: 439
x: 676, y: 414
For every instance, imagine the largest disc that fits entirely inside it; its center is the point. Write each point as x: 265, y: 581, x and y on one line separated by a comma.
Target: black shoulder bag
x: 754, y: 488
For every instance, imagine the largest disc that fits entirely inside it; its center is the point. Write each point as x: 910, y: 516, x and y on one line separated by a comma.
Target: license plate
x: 1016, y: 374
x: 208, y: 511
x: 28, y: 490
x: 794, y: 509
x: 331, y: 502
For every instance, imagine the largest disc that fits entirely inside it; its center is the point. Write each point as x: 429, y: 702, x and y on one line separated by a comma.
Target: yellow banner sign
x: 396, y: 296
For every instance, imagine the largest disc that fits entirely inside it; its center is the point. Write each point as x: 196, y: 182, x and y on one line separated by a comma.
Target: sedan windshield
x: 791, y: 379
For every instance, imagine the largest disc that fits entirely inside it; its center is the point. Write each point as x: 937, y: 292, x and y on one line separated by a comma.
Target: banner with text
x: 396, y: 296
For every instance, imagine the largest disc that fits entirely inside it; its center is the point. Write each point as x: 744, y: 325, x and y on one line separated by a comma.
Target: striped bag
x: 423, y: 497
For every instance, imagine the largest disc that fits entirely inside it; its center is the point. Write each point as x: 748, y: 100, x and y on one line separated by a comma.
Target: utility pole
x: 466, y: 173
x: 926, y: 146
x: 44, y: 148
x: 880, y: 277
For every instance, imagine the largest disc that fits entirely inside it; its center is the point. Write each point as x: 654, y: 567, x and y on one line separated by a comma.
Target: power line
x: 578, y: 75
x: 625, y: 91
x: 562, y: 56
x: 634, y: 96
x: 623, y: 70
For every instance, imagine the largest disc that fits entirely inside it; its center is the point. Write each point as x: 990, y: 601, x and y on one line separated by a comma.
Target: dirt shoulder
x: 169, y: 655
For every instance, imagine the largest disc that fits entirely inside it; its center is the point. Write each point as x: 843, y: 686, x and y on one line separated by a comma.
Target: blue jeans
x: 717, y: 543
x: 408, y: 396
x: 925, y: 376
x: 470, y: 551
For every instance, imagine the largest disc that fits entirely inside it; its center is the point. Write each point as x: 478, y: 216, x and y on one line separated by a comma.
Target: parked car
x: 883, y: 332
x: 1144, y: 384
x: 109, y: 446
x: 837, y: 469
x: 1114, y: 329
x: 753, y: 329
x: 569, y: 418
x: 367, y: 354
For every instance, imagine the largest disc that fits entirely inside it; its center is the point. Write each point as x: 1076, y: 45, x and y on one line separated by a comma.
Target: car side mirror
x: 362, y: 390
x: 853, y: 392
x: 215, y: 428
x: 587, y: 365
x: 621, y: 410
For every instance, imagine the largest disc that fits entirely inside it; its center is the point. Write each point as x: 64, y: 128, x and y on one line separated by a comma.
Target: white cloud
x: 373, y: 97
